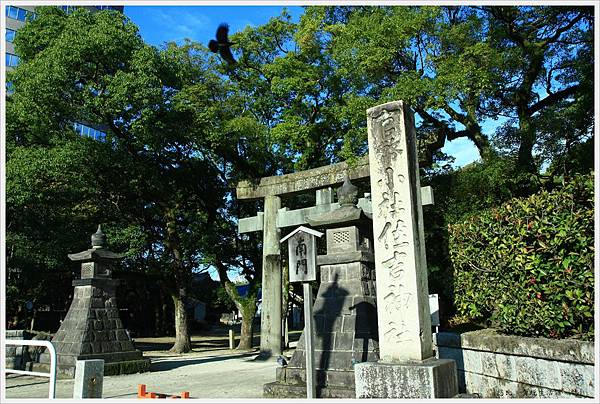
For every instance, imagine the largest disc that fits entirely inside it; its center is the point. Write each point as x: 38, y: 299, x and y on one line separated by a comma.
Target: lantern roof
x: 98, y: 252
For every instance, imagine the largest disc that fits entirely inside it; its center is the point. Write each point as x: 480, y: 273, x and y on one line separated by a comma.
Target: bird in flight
x: 221, y: 45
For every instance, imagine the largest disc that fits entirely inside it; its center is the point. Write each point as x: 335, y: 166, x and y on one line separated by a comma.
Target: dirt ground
x: 211, y: 370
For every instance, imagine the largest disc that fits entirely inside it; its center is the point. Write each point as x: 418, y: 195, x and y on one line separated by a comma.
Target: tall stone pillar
x: 270, y: 318
x: 407, y: 368
x: 404, y: 319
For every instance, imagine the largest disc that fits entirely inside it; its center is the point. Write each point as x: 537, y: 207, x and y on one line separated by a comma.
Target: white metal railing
x: 51, y: 351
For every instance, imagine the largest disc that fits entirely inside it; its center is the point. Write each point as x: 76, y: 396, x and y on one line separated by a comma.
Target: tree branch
x: 499, y: 14
x: 222, y: 271
x: 561, y: 30
x: 457, y: 116
x: 551, y: 99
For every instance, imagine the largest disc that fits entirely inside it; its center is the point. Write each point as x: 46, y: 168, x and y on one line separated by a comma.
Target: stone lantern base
x: 92, y: 329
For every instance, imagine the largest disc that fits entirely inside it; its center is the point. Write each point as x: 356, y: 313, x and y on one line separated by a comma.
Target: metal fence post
x: 51, y: 351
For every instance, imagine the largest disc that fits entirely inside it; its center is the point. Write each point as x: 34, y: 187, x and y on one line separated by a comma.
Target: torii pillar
x: 270, y: 316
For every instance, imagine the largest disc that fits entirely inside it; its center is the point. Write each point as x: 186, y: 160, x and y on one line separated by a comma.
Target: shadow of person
x: 328, y: 320
x: 365, y: 327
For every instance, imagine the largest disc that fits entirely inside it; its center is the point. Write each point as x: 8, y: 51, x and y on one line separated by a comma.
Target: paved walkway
x: 210, y: 371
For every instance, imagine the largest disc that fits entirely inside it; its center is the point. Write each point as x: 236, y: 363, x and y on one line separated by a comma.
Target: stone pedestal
x: 92, y: 328
x: 345, y: 319
x: 89, y: 377
x: 431, y: 378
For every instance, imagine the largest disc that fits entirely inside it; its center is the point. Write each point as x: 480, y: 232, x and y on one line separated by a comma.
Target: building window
x: 18, y: 13
x: 10, y: 35
x: 11, y: 60
x: 107, y: 8
x: 10, y: 87
x: 68, y: 9
x: 88, y: 131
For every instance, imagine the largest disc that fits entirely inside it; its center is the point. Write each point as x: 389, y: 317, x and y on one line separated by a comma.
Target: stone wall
x: 16, y: 355
x: 19, y: 356
x: 500, y: 366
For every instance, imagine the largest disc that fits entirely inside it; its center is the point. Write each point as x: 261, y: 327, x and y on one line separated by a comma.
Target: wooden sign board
x: 302, y: 249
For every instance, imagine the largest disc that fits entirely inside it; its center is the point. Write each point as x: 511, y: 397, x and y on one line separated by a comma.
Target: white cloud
x: 463, y: 150
x: 243, y: 24
x: 181, y: 24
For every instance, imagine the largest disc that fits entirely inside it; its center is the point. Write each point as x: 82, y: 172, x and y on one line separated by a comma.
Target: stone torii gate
x: 274, y: 217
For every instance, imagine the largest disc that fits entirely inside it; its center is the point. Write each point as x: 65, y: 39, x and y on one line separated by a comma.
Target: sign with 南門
x: 302, y: 248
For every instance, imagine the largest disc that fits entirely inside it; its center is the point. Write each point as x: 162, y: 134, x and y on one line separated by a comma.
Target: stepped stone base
x: 276, y: 389
x: 92, y: 329
x: 342, y: 378
x: 110, y: 368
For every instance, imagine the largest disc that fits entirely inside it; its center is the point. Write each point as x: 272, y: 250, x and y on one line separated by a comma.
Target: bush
x: 459, y: 194
x: 526, y: 267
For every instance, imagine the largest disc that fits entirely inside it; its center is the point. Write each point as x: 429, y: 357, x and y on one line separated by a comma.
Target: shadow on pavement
x: 129, y: 395
x: 24, y: 381
x: 168, y: 364
x: 152, y: 346
x: 205, y: 344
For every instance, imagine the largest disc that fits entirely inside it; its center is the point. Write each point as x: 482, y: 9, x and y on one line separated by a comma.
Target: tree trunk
x: 486, y: 151
x: 527, y: 133
x: 182, y: 279
x: 159, y: 320
x: 166, y: 315
x: 246, y: 305
x: 182, y: 336
x: 523, y: 97
x: 248, y: 309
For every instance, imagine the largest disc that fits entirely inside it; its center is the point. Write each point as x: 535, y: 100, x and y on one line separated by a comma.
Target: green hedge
x: 526, y: 267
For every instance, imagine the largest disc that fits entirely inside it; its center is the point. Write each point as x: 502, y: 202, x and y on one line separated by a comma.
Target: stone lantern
x: 344, y: 311
x: 92, y: 328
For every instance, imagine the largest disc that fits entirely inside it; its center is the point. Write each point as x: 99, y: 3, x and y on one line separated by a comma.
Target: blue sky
x: 160, y: 24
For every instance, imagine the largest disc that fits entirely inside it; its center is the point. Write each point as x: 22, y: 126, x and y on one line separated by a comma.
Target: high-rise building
x: 17, y: 17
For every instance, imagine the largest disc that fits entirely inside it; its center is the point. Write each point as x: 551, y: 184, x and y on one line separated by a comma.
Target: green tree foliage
x: 51, y: 209
x: 546, y: 75
x: 291, y: 85
x: 183, y: 126
x: 459, y: 67
x: 161, y: 178
x: 527, y: 266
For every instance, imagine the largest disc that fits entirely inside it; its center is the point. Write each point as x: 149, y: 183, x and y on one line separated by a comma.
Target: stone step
x: 110, y: 368
x: 325, y: 378
x: 282, y: 390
